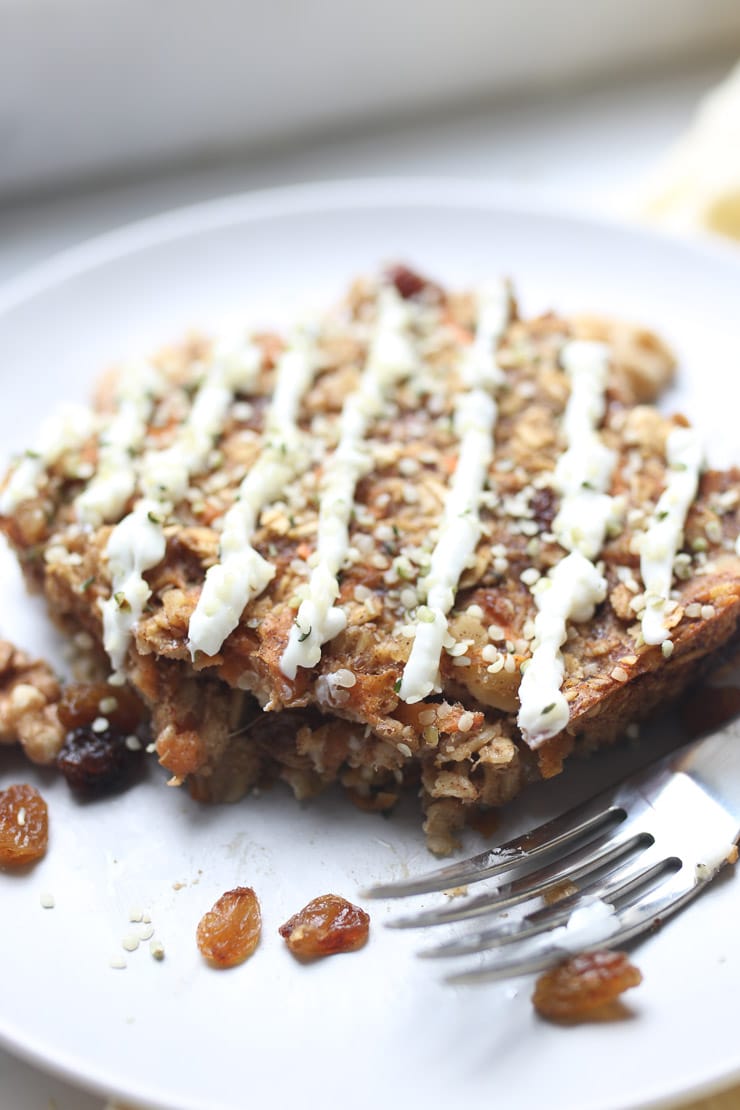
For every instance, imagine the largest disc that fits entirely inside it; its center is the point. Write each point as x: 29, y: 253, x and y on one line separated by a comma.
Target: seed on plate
x: 47, y: 900
x: 117, y: 962
x: 156, y: 949
x: 130, y: 942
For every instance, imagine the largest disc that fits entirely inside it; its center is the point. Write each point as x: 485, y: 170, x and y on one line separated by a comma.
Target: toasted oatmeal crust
x: 227, y: 722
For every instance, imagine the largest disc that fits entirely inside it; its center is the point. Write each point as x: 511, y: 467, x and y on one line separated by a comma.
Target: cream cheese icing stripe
x: 65, y: 430
x: 480, y: 368
x: 474, y: 422
x: 242, y: 573
x: 583, y: 472
x: 114, y: 482
x: 475, y: 417
x: 137, y: 543
x: 660, y: 544
x: 575, y: 586
x: 391, y: 357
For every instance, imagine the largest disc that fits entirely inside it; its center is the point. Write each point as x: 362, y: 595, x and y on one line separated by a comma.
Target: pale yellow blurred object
x: 729, y: 1100
x: 697, y: 185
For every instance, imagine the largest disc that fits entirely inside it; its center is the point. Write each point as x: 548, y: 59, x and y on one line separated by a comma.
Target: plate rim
x: 274, y: 202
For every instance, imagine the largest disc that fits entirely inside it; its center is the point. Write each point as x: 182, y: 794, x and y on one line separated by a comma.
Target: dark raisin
x: 94, y: 762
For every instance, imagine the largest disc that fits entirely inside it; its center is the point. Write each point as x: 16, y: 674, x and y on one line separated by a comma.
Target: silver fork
x: 634, y: 854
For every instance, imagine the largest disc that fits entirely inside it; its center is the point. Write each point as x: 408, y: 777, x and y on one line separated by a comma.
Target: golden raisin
x: 82, y: 702
x: 24, y: 826
x: 327, y: 925
x: 564, y: 889
x: 582, y: 984
x: 230, y: 932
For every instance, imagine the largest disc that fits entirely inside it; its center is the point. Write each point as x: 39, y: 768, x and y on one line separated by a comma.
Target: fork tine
x: 550, y: 917
x: 586, y: 821
x: 581, y: 863
x: 684, y: 810
x: 497, y: 936
x: 647, y: 913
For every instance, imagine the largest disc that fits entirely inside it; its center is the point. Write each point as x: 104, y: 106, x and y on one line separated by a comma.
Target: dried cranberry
x: 95, y: 761
x: 542, y: 504
x: 407, y: 282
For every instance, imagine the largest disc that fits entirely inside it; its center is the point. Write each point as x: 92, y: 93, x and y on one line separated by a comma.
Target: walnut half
x: 29, y: 693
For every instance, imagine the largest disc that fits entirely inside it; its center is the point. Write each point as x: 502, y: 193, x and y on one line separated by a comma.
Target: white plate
x: 377, y: 1027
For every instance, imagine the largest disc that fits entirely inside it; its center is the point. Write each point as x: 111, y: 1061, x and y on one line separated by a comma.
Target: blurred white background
x: 97, y: 86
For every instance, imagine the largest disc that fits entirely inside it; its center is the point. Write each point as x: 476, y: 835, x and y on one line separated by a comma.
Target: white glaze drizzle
x: 105, y: 497
x: 135, y: 545
x: 660, y: 543
x: 570, y: 593
x: 242, y: 573
x: 575, y: 586
x: 480, y: 368
x: 391, y: 358
x: 583, y: 472
x: 165, y: 474
x: 474, y: 423
x: 65, y: 430
x: 138, y: 543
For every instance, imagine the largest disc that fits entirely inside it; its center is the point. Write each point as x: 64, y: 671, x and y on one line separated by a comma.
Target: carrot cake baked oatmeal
x: 420, y: 542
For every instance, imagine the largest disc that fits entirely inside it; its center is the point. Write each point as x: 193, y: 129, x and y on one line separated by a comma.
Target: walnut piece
x: 29, y: 693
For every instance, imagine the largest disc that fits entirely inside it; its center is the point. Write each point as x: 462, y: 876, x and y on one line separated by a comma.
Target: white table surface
x: 588, y: 148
